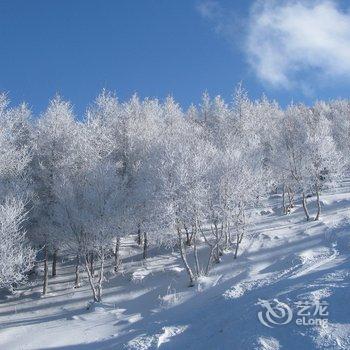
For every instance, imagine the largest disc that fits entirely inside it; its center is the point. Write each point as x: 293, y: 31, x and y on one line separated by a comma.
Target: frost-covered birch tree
x: 16, y: 255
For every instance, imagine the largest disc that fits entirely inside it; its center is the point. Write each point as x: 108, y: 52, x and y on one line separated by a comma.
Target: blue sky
x: 181, y: 47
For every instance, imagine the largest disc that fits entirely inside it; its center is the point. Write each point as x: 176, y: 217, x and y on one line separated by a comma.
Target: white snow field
x: 150, y: 306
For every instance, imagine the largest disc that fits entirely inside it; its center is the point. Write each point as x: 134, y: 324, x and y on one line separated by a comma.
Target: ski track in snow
x: 149, y: 306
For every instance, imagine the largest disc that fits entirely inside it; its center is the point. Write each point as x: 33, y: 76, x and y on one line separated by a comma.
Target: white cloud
x: 225, y: 22
x: 210, y: 10
x: 286, y: 39
x: 292, y: 42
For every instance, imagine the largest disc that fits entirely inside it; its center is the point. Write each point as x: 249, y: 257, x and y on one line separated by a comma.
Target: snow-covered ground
x: 283, y: 259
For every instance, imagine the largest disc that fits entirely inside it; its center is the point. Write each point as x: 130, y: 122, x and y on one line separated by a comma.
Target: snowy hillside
x: 283, y: 258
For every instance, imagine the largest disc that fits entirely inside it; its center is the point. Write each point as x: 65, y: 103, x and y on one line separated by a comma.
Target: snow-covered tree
x: 181, y: 164
x: 183, y: 179
x: 16, y: 255
x: 88, y: 209
x: 54, y: 141
x: 306, y: 154
x: 338, y: 113
x: 325, y: 164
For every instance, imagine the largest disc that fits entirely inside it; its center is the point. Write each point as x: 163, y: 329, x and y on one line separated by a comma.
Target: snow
x: 150, y: 306
x: 268, y: 343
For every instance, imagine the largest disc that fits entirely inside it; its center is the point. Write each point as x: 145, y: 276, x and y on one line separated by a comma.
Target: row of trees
x: 184, y: 179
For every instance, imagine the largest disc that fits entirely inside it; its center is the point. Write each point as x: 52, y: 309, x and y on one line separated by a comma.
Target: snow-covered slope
x: 283, y: 259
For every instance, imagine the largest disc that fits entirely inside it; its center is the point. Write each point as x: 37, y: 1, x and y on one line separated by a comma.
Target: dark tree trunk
x: 92, y: 264
x: 100, y: 280
x: 195, y: 253
x: 290, y: 198
x: 318, y: 205
x: 284, y: 200
x: 77, y: 272
x: 145, y: 246
x: 188, y: 236
x: 238, y: 242
x: 54, y: 263
x: 139, y: 236
x: 237, y: 246
x: 46, y: 271
x: 305, y: 207
x: 217, y: 252
x: 117, y: 259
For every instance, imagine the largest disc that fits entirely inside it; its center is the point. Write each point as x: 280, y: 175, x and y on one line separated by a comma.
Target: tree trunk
x: 139, y: 237
x: 226, y: 244
x: 54, y: 263
x: 217, y: 254
x: 284, y: 200
x: 145, y: 246
x: 217, y: 245
x: 184, y: 259
x: 237, y: 245
x: 195, y: 252
x: 305, y: 207
x: 188, y: 236
x: 318, y: 204
x: 77, y: 272
x: 210, y: 259
x: 241, y: 237
x: 46, y: 271
x: 211, y: 252
x: 290, y: 198
x: 117, y: 260
x: 100, y: 280
x: 229, y: 235
x: 92, y: 270
x: 91, y: 278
